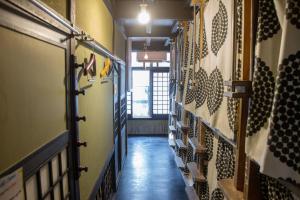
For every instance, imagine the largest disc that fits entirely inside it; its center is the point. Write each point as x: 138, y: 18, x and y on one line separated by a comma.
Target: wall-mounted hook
x: 79, y: 65
x: 79, y: 144
x: 85, y: 169
x: 78, y: 92
x: 81, y: 118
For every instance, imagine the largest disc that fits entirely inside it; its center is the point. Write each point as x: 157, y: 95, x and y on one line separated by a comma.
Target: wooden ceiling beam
x: 155, y: 46
x: 163, y: 9
x: 156, y: 31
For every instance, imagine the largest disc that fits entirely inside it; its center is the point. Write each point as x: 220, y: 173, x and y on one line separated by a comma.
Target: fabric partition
x: 273, y: 124
x: 214, y: 65
x: 221, y: 162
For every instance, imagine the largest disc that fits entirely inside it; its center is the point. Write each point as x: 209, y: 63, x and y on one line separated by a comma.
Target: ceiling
x: 165, y: 15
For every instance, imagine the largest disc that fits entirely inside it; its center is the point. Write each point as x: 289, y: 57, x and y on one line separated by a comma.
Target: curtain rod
x: 92, y: 44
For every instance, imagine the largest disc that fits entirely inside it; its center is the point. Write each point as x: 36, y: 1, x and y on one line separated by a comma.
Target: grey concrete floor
x: 150, y: 172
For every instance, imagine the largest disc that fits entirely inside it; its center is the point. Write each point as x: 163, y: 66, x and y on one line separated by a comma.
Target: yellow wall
x: 93, y: 17
x: 32, y: 95
x: 59, y: 6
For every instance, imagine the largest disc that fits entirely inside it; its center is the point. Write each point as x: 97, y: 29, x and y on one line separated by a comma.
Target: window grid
x: 160, y: 93
x: 128, y: 103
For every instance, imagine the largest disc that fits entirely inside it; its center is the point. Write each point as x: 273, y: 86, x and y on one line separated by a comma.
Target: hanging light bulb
x: 146, y: 56
x: 144, y: 16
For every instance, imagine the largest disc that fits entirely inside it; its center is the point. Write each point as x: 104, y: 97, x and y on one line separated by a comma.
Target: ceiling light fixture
x: 146, y: 56
x: 144, y: 16
x: 145, y: 51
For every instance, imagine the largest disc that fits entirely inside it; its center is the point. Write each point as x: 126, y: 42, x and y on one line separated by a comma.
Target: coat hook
x: 77, y: 92
x: 79, y: 65
x: 81, y: 118
x: 85, y: 169
x: 82, y: 144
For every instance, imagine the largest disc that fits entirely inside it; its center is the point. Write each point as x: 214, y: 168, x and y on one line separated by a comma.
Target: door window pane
x: 140, y: 94
x: 160, y: 93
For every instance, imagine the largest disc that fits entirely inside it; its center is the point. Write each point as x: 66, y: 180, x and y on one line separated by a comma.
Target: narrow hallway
x: 150, y: 171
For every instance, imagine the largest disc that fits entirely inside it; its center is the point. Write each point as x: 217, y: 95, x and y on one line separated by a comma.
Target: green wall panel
x: 59, y: 6
x: 97, y: 105
x: 32, y: 95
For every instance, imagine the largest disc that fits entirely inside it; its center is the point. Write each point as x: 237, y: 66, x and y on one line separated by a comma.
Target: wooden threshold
x: 196, y: 146
x: 180, y: 144
x: 230, y: 192
x: 179, y: 162
x: 195, y: 172
x: 172, y: 143
x: 173, y: 114
x: 191, y: 193
x: 172, y: 128
x: 182, y: 126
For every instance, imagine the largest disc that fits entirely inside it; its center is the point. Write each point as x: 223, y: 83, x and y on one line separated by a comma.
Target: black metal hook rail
x: 90, y: 42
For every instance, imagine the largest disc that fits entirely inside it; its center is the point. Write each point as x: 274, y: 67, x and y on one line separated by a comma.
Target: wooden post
x: 251, y: 188
x: 244, y: 102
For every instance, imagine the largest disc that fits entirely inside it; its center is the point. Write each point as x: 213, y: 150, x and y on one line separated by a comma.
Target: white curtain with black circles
x: 213, y: 65
x: 206, y: 99
x: 273, y: 136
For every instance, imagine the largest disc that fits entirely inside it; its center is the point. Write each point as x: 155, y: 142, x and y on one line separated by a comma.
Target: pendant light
x: 144, y: 16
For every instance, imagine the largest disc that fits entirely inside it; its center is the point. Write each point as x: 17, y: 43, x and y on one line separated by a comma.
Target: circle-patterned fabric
x: 293, y: 12
x: 272, y: 189
x: 217, y: 194
x: 219, y: 28
x: 201, y: 87
x: 204, y: 51
x: 261, y: 98
x: 239, y: 25
x: 225, y: 160
x: 232, y: 113
x: 215, y: 91
x: 203, y: 191
x: 183, y: 78
x: 190, y: 91
x: 189, y: 157
x: 268, y: 24
x: 192, y: 53
x: 186, y: 54
x: 284, y: 137
x: 191, y: 127
x: 209, y: 143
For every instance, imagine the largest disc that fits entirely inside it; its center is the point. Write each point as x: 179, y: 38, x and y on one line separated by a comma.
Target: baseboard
x: 150, y: 135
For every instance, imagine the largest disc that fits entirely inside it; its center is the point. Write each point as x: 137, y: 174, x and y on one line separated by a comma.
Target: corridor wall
x: 97, y: 105
x: 33, y: 97
x: 209, y: 58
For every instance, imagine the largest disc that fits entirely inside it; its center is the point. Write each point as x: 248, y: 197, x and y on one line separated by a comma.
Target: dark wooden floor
x: 150, y: 172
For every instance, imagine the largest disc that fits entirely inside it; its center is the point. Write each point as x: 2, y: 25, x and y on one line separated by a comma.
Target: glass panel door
x: 141, y: 94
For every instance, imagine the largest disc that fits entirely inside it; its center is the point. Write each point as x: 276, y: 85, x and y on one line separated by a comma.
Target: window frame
x: 152, y: 71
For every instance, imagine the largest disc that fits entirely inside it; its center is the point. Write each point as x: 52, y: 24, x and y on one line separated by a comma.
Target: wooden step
x: 182, y: 126
x: 172, y: 143
x: 230, y: 192
x: 180, y: 144
x: 196, y: 174
x: 195, y: 145
x: 191, y: 193
x: 187, y: 179
x: 173, y: 114
x: 172, y: 129
x: 179, y: 162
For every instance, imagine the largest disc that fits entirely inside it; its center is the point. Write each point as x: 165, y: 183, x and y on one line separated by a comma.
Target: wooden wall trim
x: 16, y: 19
x: 32, y: 163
